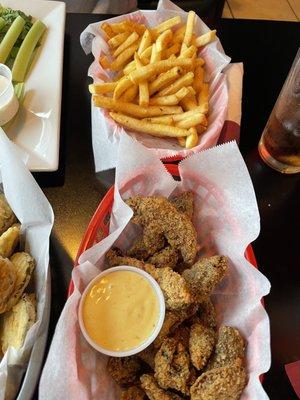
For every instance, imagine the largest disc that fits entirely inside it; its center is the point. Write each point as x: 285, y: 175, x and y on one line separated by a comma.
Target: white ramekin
x: 157, y: 329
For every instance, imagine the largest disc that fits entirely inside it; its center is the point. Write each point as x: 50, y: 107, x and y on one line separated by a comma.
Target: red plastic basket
x: 98, y: 227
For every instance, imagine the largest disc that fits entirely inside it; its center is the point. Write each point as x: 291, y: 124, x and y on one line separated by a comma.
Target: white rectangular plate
x: 36, y: 128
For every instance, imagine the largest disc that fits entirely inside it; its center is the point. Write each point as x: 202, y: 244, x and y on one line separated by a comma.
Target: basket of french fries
x: 158, y: 77
x: 189, y: 235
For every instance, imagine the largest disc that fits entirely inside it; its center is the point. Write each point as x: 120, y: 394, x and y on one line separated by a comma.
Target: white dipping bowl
x: 151, y: 338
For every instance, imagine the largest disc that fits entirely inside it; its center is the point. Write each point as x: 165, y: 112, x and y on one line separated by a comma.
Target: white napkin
x: 227, y: 220
x: 36, y: 216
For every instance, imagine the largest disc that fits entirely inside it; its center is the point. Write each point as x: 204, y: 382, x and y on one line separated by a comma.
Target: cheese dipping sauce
x: 120, y: 311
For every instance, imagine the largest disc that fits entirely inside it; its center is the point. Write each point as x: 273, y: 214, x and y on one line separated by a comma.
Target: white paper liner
x: 227, y: 220
x: 36, y: 217
x: 106, y: 133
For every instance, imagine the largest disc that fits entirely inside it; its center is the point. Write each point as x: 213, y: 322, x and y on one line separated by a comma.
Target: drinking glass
x: 279, y: 146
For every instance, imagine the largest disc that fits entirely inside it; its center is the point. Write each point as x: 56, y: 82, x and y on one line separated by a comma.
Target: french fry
x: 170, y: 100
x: 106, y: 28
x: 129, y: 67
x: 199, y: 62
x: 171, y: 50
x: 103, y: 61
x: 163, y: 39
x: 191, y: 90
x: 150, y: 70
x: 146, y: 54
x: 134, y: 109
x: 179, y: 34
x: 203, y: 98
x: 205, y: 39
x: 186, y: 115
x: 189, y: 103
x: 155, y: 55
x: 191, y: 121
x: 118, y: 39
x: 192, y: 139
x: 145, y: 42
x: 185, y: 80
x: 164, y: 79
x: 134, y: 27
x: 198, y: 81
x: 188, y: 52
x: 123, y: 57
x: 143, y: 86
x: 159, y: 130
x: 168, y: 24
x: 188, y: 31
x: 122, y: 85
x: 165, y: 120
x: 101, y: 88
x: 181, y: 141
x: 128, y: 42
x: 130, y: 94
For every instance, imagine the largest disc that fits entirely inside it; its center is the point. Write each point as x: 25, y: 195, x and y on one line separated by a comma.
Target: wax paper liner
x: 36, y: 217
x: 227, y: 220
x: 106, y: 133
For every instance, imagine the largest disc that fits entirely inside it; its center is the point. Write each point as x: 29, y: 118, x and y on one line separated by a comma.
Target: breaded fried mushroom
x: 172, y: 366
x: 230, y: 346
x: 201, y: 344
x: 157, y: 214
x: 148, y: 355
x: 184, y: 203
x: 133, y: 393
x: 154, y: 391
x: 206, y: 315
x: 204, y: 275
x: 165, y: 258
x: 173, y: 286
x: 7, y: 217
x: 224, y: 383
x: 124, y: 370
x: 7, y: 282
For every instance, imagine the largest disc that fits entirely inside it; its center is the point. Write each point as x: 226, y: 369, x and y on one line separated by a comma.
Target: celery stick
x: 27, y: 47
x: 10, y: 38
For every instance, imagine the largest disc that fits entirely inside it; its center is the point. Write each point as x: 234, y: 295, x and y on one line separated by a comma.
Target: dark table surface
x: 267, y: 49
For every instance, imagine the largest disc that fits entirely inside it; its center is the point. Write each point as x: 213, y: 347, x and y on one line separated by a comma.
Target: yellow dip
x: 120, y: 311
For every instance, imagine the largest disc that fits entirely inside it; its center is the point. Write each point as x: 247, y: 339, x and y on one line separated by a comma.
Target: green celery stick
x: 10, y: 38
x: 27, y: 47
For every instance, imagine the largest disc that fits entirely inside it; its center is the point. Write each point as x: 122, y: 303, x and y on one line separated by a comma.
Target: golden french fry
x: 145, y: 42
x: 100, y: 88
x: 118, y: 39
x: 155, y: 55
x: 189, y: 103
x: 164, y: 79
x: 163, y: 39
x: 122, y: 85
x: 181, y: 141
x: 103, y: 61
x: 130, y: 94
x: 179, y: 34
x: 165, y: 120
x: 199, y: 62
x: 189, y: 52
x: 106, y: 28
x: 191, y: 90
x: 123, y: 57
x: 186, y: 115
x: 143, y: 86
x: 159, y: 130
x: 128, y: 42
x: 206, y: 38
x: 134, y: 109
x: 203, y: 98
x: 168, y: 24
x: 171, y: 50
x: 185, y: 80
x: 128, y: 26
x: 170, y: 100
x: 146, y: 54
x: 198, y: 80
x: 129, y: 67
x: 150, y: 70
x: 192, y: 139
x: 193, y: 120
x: 188, y: 31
